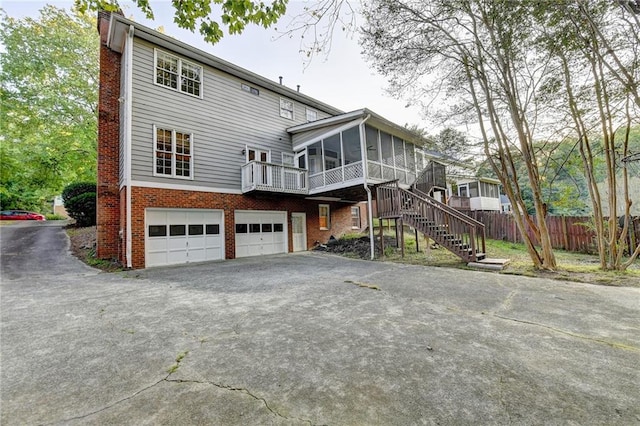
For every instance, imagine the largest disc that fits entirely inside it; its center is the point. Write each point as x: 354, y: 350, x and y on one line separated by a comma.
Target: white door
x: 175, y: 236
x: 299, y: 231
x: 260, y: 232
x: 262, y: 175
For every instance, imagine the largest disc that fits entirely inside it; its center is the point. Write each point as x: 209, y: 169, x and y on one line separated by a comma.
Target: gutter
x: 127, y: 136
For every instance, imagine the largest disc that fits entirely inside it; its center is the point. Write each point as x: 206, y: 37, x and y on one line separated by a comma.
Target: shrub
x: 80, y: 202
x: 74, y: 189
x: 51, y: 216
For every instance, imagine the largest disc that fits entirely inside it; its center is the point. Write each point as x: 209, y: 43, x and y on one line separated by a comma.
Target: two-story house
x: 199, y: 159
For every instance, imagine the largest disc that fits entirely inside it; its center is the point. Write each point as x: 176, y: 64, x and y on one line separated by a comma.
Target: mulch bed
x: 358, y: 247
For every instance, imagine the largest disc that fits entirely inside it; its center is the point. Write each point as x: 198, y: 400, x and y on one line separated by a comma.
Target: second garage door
x: 260, y: 232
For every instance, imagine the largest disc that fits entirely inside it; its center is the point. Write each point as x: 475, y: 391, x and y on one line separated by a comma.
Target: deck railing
x: 448, y: 227
x: 261, y: 176
x: 335, y: 176
x: 460, y: 203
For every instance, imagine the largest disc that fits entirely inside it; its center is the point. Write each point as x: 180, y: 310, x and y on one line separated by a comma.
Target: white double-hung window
x: 286, y: 108
x: 173, y: 153
x: 178, y: 74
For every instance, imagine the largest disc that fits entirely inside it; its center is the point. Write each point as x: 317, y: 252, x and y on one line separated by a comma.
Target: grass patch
x: 179, y: 359
x: 579, y: 267
x: 51, y: 216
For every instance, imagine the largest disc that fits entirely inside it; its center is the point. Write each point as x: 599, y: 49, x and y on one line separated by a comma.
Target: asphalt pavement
x: 306, y: 338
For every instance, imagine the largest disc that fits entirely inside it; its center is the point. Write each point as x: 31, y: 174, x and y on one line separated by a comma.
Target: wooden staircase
x: 453, y: 230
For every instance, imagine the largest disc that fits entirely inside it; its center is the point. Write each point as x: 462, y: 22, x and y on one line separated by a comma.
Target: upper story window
x: 173, y: 153
x: 177, y: 74
x: 250, y: 89
x: 286, y: 108
x: 312, y: 115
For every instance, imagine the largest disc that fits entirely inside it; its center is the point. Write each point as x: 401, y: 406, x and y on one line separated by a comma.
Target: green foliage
x: 48, y: 90
x: 80, y: 202
x: 77, y: 188
x: 235, y: 15
x: 51, y: 216
x: 83, y: 209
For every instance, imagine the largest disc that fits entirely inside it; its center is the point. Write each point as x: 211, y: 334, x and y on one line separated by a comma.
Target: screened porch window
x: 372, y: 143
x: 398, y: 148
x: 351, y: 145
x: 386, y: 147
x: 332, y: 152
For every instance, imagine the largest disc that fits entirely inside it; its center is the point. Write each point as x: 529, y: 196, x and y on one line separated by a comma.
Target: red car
x: 20, y: 215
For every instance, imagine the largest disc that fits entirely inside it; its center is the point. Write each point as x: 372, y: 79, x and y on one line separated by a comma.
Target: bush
x: 80, y: 202
x: 51, y: 216
x: 74, y: 189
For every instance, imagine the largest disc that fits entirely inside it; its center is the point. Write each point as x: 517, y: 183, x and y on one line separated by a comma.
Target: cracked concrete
x: 289, y: 340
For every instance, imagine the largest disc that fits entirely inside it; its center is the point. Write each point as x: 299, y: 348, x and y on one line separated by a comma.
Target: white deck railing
x: 261, y: 176
x: 333, y: 177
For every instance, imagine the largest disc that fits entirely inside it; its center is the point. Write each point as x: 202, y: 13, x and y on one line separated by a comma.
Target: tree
x: 235, y: 15
x: 595, y: 48
x: 475, y: 55
x: 48, y: 89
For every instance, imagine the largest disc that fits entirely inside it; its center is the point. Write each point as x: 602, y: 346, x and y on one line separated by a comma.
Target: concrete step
x: 488, y: 263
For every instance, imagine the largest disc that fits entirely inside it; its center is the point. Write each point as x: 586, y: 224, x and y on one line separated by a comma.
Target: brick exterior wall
x: 108, y: 204
x: 144, y: 198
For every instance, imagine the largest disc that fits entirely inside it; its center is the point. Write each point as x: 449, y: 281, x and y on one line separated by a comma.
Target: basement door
x: 299, y: 231
x: 176, y: 236
x: 260, y: 232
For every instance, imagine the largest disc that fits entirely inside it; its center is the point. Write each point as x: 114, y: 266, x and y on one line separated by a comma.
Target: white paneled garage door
x: 183, y: 235
x: 260, y: 232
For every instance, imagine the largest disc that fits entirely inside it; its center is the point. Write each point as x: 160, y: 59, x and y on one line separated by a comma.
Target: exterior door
x: 299, y: 231
x: 262, y: 177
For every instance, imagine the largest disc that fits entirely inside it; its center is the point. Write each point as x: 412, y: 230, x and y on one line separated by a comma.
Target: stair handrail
x: 448, y: 209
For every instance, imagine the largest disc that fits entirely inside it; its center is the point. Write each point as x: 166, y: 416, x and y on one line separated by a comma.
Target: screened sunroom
x: 353, y: 149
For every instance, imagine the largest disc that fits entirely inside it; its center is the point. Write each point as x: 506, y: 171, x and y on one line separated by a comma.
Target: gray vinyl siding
x: 223, y: 122
x: 312, y: 135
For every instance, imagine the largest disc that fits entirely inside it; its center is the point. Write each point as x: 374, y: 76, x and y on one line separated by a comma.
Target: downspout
x: 363, y: 149
x: 127, y: 142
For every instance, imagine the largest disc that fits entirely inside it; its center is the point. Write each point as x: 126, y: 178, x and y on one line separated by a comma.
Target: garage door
x: 260, y: 232
x: 183, y: 236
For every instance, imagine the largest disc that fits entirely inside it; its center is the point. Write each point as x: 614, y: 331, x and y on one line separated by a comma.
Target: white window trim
x: 253, y: 148
x: 359, y: 217
x: 328, y: 227
x: 173, y: 153
x: 307, y: 111
x: 293, y: 108
x: 180, y: 62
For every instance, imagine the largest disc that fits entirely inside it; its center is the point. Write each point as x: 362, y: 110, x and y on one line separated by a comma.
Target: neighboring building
x: 199, y: 159
x: 477, y: 194
x: 58, y: 207
x: 505, y: 204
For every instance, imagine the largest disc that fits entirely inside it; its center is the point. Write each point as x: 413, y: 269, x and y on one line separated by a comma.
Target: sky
x: 342, y: 79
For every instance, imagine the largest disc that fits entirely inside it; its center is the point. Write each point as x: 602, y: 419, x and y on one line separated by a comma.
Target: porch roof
x: 371, y: 118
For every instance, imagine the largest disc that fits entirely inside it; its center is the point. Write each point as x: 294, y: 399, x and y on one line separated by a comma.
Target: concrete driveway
x: 307, y: 339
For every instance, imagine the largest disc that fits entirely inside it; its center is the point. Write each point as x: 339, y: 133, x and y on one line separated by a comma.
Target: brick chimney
x: 109, y: 212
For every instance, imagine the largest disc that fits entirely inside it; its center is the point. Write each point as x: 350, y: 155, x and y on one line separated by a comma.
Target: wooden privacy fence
x: 569, y: 233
